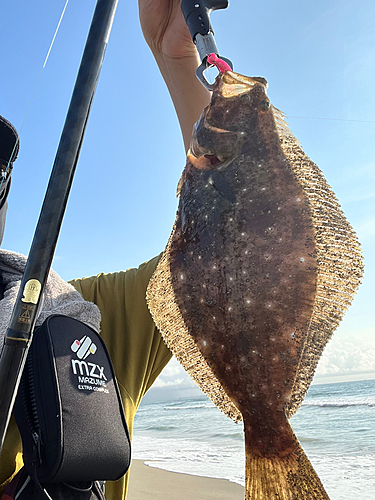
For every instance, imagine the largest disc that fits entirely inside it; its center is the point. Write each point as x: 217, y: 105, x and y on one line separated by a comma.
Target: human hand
x: 164, y: 28
x: 169, y: 39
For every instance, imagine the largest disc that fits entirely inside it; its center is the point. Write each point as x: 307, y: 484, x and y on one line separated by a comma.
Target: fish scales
x: 260, y: 266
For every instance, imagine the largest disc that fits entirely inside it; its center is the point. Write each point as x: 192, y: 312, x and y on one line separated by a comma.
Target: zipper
x: 31, y: 411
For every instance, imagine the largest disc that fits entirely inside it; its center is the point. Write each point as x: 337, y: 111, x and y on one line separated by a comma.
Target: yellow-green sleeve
x: 136, y: 348
x: 135, y: 345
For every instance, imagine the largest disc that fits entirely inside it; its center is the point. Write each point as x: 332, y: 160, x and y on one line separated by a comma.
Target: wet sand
x: 151, y: 483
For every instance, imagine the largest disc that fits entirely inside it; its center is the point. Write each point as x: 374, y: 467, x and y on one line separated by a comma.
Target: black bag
x: 68, y: 408
x: 23, y: 488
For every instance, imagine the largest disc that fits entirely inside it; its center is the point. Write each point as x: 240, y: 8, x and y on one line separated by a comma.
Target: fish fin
x: 180, y: 184
x: 165, y: 312
x: 289, y: 477
x: 339, y: 260
x: 281, y: 123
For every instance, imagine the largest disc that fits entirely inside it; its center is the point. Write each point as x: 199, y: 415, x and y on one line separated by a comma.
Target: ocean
x: 335, y: 425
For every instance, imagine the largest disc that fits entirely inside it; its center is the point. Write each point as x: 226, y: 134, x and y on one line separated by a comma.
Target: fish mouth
x: 233, y: 84
x: 205, y: 159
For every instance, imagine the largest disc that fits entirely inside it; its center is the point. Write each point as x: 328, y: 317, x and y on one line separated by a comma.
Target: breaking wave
x: 340, y: 402
x: 189, y: 407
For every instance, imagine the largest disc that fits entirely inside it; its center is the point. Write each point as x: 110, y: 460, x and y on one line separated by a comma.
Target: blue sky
x: 319, y: 60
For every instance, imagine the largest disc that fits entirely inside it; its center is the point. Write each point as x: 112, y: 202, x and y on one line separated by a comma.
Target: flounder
x: 257, y: 274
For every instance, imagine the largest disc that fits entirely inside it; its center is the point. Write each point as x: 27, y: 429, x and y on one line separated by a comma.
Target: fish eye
x: 265, y: 105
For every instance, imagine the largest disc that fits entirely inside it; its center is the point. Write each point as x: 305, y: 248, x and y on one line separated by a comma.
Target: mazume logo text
x: 90, y: 376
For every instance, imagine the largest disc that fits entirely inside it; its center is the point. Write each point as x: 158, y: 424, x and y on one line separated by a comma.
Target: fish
x: 257, y: 274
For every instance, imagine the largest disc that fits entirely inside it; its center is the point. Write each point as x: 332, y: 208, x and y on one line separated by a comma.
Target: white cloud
x: 172, y: 384
x: 173, y: 375
x: 172, y: 369
x: 347, y: 358
x: 159, y: 382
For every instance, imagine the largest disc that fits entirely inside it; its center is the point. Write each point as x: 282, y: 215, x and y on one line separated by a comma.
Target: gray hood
x: 58, y: 297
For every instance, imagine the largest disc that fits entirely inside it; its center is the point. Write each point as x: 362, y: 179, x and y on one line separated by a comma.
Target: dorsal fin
x: 339, y: 256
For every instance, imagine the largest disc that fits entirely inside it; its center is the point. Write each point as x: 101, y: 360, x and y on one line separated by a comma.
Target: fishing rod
x: 20, y: 332
x: 197, y: 17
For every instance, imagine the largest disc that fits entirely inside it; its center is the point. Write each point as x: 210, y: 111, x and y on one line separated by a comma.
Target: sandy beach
x: 156, y: 484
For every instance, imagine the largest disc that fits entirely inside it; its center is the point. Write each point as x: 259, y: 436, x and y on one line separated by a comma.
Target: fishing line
x: 4, y: 175
x: 331, y: 119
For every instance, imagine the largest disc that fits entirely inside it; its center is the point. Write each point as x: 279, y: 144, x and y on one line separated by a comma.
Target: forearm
x: 188, y: 94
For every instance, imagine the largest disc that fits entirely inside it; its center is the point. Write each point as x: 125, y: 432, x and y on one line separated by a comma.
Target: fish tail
x: 290, y: 477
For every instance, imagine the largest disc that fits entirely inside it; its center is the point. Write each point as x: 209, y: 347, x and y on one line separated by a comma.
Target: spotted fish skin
x: 244, y: 262
x: 238, y: 294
